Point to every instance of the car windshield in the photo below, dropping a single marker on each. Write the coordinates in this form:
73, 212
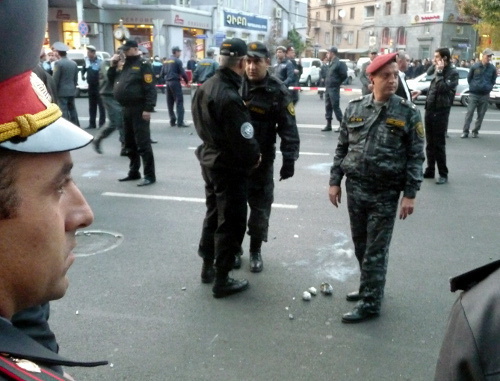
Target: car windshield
306, 64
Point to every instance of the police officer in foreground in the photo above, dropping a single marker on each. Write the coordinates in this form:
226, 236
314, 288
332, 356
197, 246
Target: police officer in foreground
134, 87
272, 112
206, 68
40, 206
171, 72
227, 155
380, 151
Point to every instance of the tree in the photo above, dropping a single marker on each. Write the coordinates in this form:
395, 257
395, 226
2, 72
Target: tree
295, 40
486, 10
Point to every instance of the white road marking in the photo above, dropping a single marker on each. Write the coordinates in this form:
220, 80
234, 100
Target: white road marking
181, 199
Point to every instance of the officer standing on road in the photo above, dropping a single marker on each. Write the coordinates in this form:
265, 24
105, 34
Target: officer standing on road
335, 76
172, 72
440, 96
380, 151
66, 79
482, 77
272, 112
284, 69
366, 86
297, 72
228, 153
206, 68
134, 87
91, 72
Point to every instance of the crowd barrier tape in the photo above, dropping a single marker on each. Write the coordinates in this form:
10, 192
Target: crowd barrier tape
347, 90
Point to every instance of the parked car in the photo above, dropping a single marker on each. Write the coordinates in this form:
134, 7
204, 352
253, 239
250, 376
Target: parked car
350, 65
495, 94
423, 81
311, 68
79, 57
350, 76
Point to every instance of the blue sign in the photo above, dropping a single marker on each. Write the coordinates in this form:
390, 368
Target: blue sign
201, 36
237, 20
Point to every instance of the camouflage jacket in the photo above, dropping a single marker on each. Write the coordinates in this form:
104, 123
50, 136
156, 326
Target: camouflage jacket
381, 149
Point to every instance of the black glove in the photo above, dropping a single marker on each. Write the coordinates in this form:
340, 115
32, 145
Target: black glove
287, 169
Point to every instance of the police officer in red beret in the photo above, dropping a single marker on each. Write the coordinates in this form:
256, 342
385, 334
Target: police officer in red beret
380, 152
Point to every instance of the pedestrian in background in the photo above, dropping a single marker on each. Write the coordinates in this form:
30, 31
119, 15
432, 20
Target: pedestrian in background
90, 72
272, 113
206, 68
380, 151
284, 69
134, 88
440, 96
113, 107
228, 152
297, 72
366, 86
157, 66
335, 76
172, 72
481, 78
66, 79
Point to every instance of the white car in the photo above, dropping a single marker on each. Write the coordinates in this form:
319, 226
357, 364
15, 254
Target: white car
423, 82
311, 68
495, 94
79, 57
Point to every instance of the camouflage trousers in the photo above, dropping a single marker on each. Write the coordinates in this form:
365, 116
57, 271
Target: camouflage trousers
372, 215
260, 199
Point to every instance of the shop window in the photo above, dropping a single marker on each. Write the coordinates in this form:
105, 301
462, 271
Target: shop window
71, 35
401, 36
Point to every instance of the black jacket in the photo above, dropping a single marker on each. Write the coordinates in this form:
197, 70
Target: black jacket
135, 84
223, 123
272, 112
441, 92
336, 73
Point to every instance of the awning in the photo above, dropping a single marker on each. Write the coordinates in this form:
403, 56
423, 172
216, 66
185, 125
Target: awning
356, 51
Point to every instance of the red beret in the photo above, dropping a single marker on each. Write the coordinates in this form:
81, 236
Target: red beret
380, 61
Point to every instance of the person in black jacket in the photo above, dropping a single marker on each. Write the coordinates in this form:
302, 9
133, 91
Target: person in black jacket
134, 87
335, 76
272, 111
90, 72
438, 104
228, 153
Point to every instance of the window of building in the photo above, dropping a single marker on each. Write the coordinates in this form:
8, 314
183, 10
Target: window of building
245, 37
427, 29
424, 52
230, 34
328, 40
338, 38
328, 15
387, 11
401, 36
317, 16
404, 7
429, 5
261, 37
351, 13
350, 38
386, 36
370, 11
71, 35
460, 29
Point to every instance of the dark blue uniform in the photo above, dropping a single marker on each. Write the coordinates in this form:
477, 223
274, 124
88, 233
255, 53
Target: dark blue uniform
172, 72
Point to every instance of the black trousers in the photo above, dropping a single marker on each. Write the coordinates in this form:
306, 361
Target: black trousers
332, 103
95, 101
260, 200
138, 141
225, 220
436, 124
174, 95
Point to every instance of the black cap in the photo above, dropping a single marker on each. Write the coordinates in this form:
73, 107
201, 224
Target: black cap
257, 49
129, 44
233, 47
333, 49
176, 49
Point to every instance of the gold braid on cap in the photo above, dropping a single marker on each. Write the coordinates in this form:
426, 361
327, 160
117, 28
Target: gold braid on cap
28, 124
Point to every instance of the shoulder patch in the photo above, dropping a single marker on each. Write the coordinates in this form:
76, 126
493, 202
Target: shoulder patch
420, 130
291, 109
247, 130
148, 78
357, 99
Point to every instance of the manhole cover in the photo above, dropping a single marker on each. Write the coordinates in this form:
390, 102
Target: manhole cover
92, 242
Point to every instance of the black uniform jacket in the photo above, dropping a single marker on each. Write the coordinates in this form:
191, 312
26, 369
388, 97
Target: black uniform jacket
16, 346
223, 123
441, 92
135, 84
272, 111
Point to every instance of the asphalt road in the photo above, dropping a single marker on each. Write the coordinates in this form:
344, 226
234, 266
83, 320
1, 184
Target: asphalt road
136, 300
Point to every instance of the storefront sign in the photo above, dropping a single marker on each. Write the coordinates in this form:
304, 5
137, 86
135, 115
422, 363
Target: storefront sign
237, 20
427, 17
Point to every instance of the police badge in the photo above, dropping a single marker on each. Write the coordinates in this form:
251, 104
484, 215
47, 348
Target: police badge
247, 130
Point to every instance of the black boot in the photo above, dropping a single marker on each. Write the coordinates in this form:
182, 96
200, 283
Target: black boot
237, 259
97, 145
225, 286
328, 126
256, 264
207, 271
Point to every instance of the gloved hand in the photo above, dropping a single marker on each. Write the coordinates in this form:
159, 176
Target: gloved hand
287, 169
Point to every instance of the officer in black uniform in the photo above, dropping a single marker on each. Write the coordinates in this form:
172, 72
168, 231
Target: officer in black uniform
228, 153
272, 111
35, 184
134, 87
171, 72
